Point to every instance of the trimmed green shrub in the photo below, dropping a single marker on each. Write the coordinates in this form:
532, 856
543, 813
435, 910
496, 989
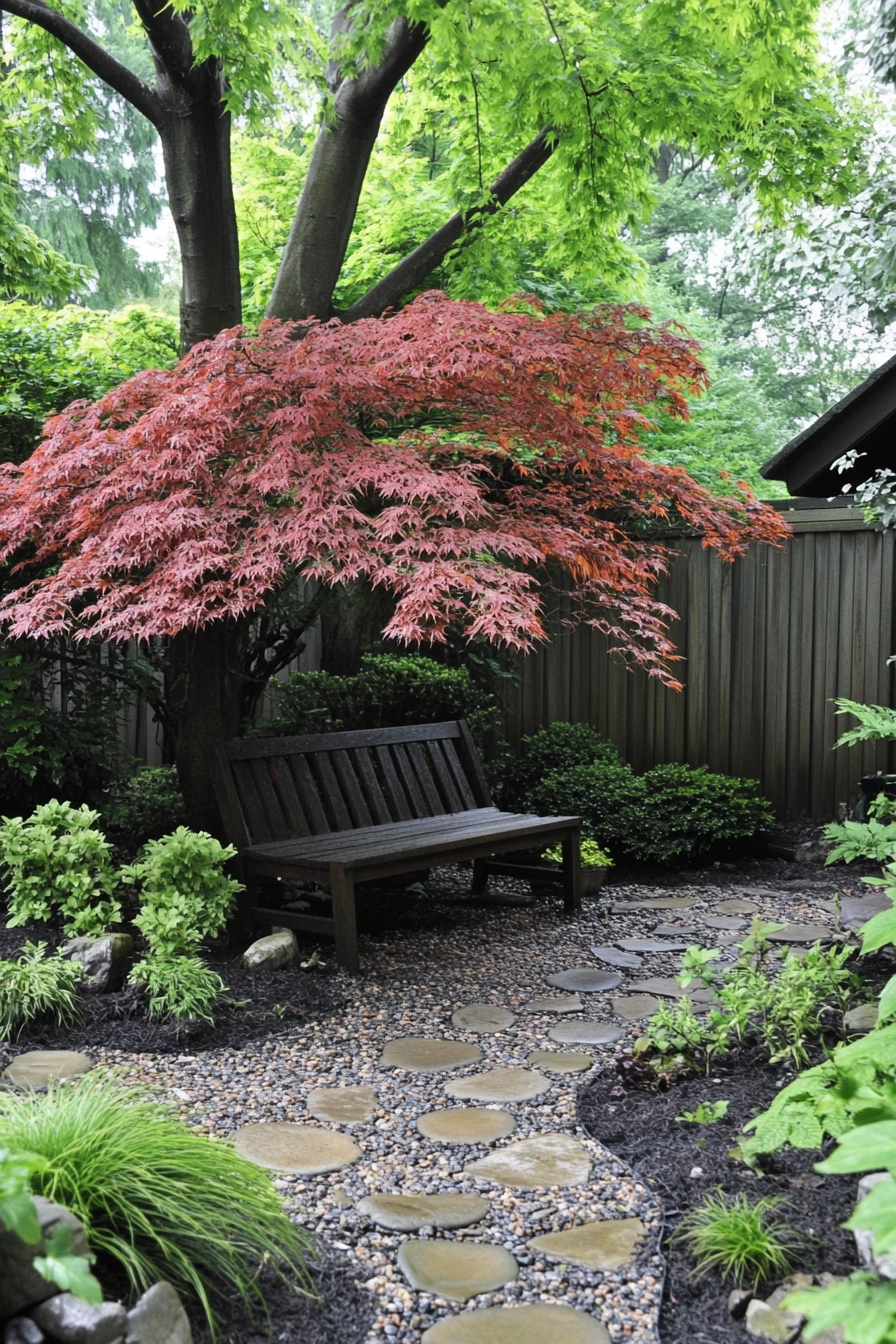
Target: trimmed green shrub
556, 749
37, 986
685, 814
58, 864
146, 806
602, 795
181, 988
163, 1202
185, 895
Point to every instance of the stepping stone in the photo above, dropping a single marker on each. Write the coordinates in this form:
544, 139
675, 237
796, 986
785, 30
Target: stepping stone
803, 933
674, 931
408, 1213
613, 957
536, 1324
738, 907
560, 1061
543, 1160
425, 1054
607, 1245
858, 1020
345, 1105
466, 1124
635, 1007
500, 1085
456, 1269
555, 1003
586, 1033
651, 945
724, 922
36, 1068
483, 1017
657, 903
668, 988
857, 910
585, 979
303, 1149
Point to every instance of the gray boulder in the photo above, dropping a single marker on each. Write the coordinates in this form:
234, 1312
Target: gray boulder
278, 949
21, 1330
878, 1264
70, 1321
159, 1318
105, 960
20, 1284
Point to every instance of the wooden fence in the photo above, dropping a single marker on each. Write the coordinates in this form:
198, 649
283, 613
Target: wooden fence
767, 643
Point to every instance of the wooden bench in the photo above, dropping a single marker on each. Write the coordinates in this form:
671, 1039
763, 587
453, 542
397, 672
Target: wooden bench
342, 808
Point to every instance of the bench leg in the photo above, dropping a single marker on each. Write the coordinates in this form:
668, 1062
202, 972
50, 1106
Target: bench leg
480, 877
342, 892
572, 872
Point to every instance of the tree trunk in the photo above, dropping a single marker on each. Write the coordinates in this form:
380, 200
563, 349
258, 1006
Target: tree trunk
203, 683
195, 135
352, 623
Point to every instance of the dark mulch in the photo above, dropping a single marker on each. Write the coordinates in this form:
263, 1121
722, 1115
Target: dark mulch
640, 1126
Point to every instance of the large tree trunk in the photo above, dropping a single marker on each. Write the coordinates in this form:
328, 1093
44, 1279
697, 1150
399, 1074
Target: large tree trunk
203, 683
352, 623
195, 135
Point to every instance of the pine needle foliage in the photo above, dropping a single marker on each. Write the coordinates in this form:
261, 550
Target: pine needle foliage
162, 1201
739, 1238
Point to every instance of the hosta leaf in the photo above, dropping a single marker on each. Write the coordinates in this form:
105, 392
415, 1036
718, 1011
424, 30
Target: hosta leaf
868, 1148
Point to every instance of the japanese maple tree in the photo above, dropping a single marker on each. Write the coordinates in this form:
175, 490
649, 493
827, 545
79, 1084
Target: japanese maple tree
463, 460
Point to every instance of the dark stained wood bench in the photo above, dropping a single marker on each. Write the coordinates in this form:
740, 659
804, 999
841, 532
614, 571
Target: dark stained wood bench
343, 808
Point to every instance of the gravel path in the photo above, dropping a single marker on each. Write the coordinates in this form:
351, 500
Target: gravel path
413, 981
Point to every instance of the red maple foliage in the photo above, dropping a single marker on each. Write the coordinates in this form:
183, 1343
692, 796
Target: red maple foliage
456, 455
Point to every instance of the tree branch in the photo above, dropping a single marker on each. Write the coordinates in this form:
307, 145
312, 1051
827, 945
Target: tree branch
413, 269
95, 57
169, 37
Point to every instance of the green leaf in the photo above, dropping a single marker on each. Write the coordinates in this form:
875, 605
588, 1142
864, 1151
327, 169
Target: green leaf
868, 1148
68, 1271
864, 1307
877, 1214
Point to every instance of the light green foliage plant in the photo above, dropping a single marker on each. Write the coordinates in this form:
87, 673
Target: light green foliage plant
58, 864
180, 988
851, 840
185, 896
739, 1238
160, 1200
877, 723
590, 854
707, 1113
36, 986
58, 1264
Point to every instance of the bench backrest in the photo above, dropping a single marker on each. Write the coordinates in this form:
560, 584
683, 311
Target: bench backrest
278, 788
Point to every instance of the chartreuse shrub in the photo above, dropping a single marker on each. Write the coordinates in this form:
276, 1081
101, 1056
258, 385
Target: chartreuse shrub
58, 864
162, 1201
590, 855
37, 986
739, 1238
185, 897
18, 1214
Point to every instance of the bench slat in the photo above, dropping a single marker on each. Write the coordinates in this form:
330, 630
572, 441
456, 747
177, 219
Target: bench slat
398, 830
241, 749
307, 791
423, 771
409, 780
276, 819
331, 794
445, 779
400, 808
249, 802
467, 796
285, 787
375, 795
343, 764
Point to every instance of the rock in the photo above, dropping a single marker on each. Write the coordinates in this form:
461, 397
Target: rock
586, 1033
542, 1160
673, 931
635, 1007
652, 945
303, 1149
105, 960
557, 1003
158, 1317
20, 1284
483, 1017
668, 988
560, 1061
500, 1085
811, 851
738, 1301
803, 933
655, 903
613, 957
857, 910
772, 1323
22, 1330
835, 1336
71, 1321
537, 1324
585, 980
605, 1245
424, 1054
724, 922
273, 952
860, 1020
36, 1068
466, 1124
878, 1264
343, 1105
455, 1269
793, 1284
738, 907
408, 1213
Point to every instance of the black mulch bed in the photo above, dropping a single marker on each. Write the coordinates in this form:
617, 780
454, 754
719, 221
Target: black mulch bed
640, 1126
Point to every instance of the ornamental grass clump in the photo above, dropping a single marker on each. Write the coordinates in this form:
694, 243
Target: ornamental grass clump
163, 1202
36, 986
739, 1238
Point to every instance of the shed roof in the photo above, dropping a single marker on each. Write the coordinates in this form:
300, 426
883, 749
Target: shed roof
864, 420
